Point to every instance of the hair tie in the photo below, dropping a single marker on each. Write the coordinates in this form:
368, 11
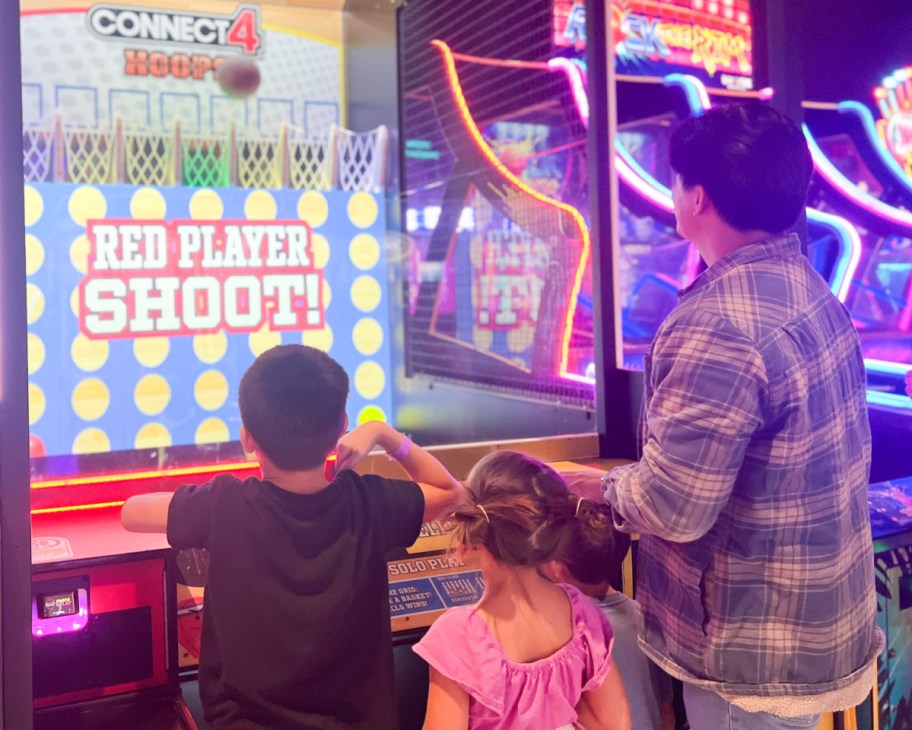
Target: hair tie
579, 501
484, 512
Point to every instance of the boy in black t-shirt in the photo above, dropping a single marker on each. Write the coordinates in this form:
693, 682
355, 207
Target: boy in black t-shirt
296, 628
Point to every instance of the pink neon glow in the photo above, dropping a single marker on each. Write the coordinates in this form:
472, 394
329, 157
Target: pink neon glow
579, 378
61, 624
577, 88
573, 214
574, 75
853, 192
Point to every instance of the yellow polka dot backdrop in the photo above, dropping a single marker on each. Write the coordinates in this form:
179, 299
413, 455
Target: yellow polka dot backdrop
363, 209
364, 251
211, 390
313, 208
89, 355
152, 436
148, 204
91, 398
34, 206
91, 393
91, 441
36, 353
87, 203
34, 254
211, 431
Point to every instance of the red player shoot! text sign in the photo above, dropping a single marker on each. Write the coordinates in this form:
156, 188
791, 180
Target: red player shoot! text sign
186, 277
510, 279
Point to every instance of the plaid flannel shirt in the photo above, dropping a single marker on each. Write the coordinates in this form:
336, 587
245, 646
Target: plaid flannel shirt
755, 572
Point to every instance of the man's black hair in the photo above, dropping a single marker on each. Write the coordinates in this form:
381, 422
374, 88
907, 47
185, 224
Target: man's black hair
292, 403
753, 162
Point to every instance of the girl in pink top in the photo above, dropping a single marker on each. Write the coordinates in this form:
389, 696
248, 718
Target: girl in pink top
531, 654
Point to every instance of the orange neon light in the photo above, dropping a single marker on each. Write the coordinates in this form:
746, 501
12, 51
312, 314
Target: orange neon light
77, 507
509, 63
489, 155
139, 475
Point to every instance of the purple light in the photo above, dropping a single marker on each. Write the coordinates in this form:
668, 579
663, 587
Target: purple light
849, 250
852, 192
61, 624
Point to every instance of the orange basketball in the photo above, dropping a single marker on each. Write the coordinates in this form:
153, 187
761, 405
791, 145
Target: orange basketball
238, 77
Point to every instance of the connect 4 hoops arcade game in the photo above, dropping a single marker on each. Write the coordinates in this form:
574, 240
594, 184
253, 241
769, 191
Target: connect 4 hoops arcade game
176, 228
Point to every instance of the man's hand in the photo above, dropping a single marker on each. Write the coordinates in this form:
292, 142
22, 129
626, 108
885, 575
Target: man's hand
585, 484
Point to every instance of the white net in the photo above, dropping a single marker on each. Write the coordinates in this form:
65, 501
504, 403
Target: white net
88, 156
148, 159
259, 163
37, 153
309, 163
362, 158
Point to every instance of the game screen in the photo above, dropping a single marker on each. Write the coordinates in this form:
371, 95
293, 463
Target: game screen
709, 39
192, 198
498, 274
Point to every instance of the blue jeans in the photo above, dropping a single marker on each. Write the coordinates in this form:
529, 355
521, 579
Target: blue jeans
707, 710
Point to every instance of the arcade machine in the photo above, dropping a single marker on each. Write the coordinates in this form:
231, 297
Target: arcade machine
871, 155
178, 224
521, 120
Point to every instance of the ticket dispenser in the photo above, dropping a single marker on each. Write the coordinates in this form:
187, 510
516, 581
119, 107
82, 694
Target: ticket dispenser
101, 653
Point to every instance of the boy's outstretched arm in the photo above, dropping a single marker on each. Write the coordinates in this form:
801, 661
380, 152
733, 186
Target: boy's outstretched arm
146, 512
442, 492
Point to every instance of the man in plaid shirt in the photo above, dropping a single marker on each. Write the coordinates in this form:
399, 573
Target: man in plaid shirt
755, 567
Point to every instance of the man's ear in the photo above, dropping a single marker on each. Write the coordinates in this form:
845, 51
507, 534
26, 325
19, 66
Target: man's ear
701, 201
247, 442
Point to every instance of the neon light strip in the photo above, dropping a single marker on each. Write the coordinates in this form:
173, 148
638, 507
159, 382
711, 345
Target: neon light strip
849, 250
853, 192
503, 62
577, 86
694, 90
77, 507
627, 167
893, 400
491, 158
579, 378
150, 474
641, 184
889, 368
870, 127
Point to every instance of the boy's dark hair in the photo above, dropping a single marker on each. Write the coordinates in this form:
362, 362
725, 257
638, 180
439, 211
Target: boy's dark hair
292, 403
596, 549
521, 511
752, 160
